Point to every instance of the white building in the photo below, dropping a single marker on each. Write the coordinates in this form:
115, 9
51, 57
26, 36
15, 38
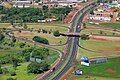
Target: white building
22, 3
67, 0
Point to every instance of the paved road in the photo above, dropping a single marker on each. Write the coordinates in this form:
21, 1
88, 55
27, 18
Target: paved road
67, 60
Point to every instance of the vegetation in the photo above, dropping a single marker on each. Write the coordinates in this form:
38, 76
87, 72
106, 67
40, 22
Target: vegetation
13, 15
112, 25
37, 68
1, 36
41, 40
98, 48
108, 69
21, 72
84, 37
17, 64
56, 33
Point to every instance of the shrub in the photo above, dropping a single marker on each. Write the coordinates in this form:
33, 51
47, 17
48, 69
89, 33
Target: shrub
37, 68
56, 33
9, 78
1, 36
41, 40
0, 70
12, 73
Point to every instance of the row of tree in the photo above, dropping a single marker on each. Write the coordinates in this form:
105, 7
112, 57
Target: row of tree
31, 14
40, 40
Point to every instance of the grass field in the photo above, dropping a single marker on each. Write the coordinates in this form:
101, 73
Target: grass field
97, 32
102, 48
52, 39
21, 73
5, 25
108, 70
22, 70
48, 26
102, 71
112, 25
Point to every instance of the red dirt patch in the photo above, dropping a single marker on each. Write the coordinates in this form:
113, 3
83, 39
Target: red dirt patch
117, 48
110, 70
104, 38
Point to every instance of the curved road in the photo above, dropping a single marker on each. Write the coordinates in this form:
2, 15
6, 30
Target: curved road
71, 49
69, 55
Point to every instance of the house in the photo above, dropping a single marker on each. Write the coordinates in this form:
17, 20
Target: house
78, 72
85, 61
100, 16
103, 14
59, 4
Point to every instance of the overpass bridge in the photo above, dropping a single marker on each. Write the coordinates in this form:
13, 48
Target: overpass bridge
71, 34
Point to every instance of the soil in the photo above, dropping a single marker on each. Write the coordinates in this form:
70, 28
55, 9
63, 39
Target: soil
104, 38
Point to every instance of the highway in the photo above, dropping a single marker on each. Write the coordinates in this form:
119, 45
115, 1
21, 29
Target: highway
68, 56
67, 60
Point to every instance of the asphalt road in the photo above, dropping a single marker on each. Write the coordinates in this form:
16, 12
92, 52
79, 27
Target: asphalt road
66, 60
72, 46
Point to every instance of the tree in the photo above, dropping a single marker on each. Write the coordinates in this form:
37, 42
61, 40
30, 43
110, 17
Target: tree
37, 68
10, 78
40, 40
4, 70
25, 26
101, 32
0, 69
40, 53
22, 45
92, 12
12, 73
84, 25
45, 8
56, 33
84, 37
14, 61
1, 37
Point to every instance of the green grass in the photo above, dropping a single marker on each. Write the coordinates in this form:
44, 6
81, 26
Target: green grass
52, 57
105, 25
109, 69
97, 32
48, 26
22, 70
108, 48
21, 73
112, 25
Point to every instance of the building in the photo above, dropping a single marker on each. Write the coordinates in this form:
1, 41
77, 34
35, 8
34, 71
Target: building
98, 60
103, 14
59, 4
78, 72
22, 3
85, 61
115, 3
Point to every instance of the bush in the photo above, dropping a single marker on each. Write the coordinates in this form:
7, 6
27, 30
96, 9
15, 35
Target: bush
10, 78
37, 68
84, 37
1, 36
40, 40
12, 73
22, 45
56, 33
0, 70
5, 70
